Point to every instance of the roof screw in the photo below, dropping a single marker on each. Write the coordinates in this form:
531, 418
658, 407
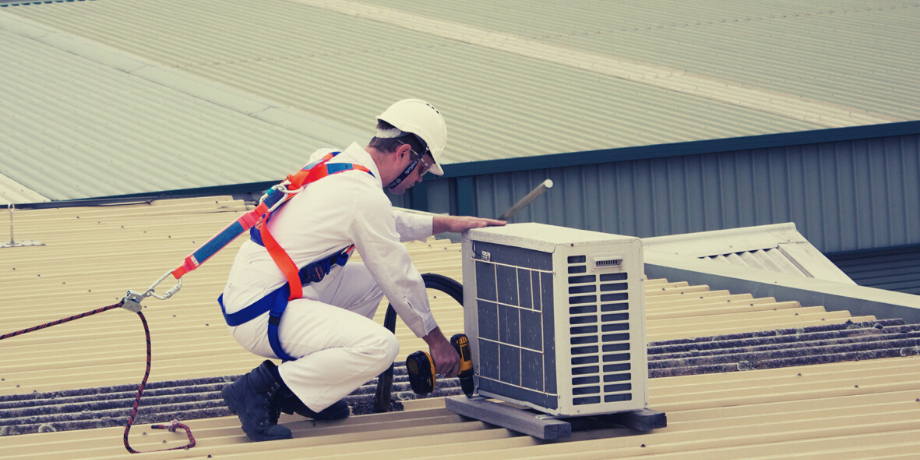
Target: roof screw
800, 374
144, 433
206, 324
17, 386
164, 441
643, 445
855, 386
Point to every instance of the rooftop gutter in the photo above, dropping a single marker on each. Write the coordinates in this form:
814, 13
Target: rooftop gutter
858, 300
680, 149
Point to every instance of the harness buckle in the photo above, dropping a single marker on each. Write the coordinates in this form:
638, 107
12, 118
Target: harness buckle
274, 320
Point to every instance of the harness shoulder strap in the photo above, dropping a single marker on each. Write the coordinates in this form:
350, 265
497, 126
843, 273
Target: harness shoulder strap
311, 173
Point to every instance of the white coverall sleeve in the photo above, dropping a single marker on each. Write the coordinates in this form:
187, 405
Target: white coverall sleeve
411, 226
373, 231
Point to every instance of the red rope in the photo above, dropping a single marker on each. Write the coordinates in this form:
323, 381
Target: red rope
137, 401
140, 390
60, 321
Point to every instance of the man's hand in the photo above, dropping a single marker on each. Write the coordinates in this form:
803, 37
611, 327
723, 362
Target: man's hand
460, 224
446, 359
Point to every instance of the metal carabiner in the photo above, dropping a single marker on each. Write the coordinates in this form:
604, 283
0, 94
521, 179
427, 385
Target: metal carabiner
151, 292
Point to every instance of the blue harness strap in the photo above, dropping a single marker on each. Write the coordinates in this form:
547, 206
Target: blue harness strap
274, 303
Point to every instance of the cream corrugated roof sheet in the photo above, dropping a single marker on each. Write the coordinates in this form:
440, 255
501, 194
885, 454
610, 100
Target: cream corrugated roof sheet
858, 409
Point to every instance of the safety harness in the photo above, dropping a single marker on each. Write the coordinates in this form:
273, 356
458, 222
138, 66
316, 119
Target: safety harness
276, 302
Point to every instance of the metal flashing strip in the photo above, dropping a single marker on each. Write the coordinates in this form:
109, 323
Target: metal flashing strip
647, 152
831, 295
16, 193
727, 92
6, 3
777, 247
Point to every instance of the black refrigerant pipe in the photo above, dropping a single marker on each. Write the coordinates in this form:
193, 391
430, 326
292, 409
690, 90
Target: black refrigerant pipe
383, 397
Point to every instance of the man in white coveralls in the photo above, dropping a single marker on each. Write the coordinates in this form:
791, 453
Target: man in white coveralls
326, 337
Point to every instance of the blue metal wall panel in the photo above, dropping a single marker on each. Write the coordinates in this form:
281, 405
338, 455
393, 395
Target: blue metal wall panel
895, 269
843, 196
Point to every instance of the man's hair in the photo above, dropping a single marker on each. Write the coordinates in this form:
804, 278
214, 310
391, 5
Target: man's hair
389, 145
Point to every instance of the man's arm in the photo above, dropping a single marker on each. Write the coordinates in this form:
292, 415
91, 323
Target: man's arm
460, 224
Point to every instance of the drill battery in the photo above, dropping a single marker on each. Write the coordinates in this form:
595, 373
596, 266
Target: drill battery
422, 371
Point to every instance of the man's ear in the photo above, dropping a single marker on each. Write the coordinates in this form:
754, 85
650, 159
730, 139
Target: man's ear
403, 151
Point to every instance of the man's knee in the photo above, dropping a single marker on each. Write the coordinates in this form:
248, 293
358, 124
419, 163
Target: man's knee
386, 347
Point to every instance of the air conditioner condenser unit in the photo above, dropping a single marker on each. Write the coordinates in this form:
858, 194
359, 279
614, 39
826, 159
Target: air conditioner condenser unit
556, 318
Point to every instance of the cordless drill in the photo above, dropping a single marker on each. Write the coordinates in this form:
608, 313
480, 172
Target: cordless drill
422, 372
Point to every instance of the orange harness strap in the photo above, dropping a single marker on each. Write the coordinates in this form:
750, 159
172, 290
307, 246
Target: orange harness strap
298, 180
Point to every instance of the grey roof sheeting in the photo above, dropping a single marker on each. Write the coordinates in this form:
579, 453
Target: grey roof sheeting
82, 120
517, 79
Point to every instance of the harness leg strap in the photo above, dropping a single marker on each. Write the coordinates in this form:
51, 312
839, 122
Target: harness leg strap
274, 320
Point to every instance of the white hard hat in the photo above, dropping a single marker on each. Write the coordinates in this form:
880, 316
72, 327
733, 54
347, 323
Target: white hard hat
422, 119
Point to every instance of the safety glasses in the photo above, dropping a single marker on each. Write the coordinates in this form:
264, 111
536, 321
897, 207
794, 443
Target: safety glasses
425, 166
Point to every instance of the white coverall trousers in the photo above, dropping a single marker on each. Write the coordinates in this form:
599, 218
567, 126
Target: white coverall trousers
330, 333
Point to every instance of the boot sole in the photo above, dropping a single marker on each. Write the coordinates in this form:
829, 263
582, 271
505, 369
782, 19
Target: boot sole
233, 404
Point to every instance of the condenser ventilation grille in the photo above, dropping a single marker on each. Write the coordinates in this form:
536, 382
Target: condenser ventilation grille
599, 329
514, 295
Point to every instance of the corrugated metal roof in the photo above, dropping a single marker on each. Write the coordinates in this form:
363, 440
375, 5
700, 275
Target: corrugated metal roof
516, 80
528, 78
822, 50
853, 409
82, 120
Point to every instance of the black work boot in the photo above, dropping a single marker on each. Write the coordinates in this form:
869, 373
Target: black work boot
291, 404
255, 398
